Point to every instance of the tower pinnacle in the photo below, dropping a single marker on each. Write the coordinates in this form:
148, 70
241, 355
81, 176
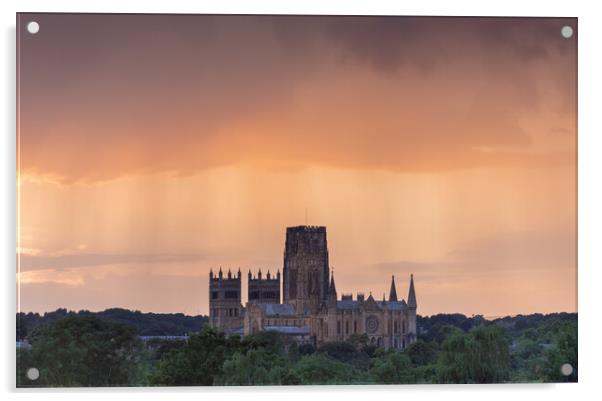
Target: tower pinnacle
332, 291
412, 294
393, 292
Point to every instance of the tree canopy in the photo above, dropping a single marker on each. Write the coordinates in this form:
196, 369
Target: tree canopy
85, 351
81, 349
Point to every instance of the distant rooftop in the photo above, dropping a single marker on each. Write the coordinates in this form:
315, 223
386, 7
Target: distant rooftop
349, 304
289, 329
277, 309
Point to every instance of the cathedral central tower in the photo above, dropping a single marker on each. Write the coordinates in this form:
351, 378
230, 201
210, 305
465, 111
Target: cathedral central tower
306, 271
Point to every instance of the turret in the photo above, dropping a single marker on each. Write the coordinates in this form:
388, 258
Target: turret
393, 291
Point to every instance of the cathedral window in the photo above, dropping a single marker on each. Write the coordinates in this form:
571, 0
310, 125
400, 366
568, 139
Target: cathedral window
346, 327
403, 327
395, 328
338, 327
355, 326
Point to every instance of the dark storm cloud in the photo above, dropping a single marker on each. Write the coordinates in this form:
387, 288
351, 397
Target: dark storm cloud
388, 43
107, 95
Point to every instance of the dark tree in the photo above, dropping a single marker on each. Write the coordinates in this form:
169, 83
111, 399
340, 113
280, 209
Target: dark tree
480, 356
422, 353
86, 351
198, 363
392, 367
321, 369
256, 367
563, 352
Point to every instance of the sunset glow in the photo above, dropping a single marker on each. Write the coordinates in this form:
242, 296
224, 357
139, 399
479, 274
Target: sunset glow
153, 148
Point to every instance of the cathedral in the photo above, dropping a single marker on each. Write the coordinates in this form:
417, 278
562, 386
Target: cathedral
308, 307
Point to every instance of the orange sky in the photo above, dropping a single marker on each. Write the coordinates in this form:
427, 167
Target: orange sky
153, 148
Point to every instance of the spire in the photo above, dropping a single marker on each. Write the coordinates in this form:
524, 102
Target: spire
333, 287
412, 294
229, 274
393, 292
332, 290
210, 273
220, 274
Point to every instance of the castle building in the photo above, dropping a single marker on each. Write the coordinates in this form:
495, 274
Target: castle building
310, 310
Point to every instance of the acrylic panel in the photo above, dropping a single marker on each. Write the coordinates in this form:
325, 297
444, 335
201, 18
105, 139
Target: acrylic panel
188, 185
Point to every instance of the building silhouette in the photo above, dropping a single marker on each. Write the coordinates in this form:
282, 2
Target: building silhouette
310, 310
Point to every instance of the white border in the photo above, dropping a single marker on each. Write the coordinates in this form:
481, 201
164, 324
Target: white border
590, 195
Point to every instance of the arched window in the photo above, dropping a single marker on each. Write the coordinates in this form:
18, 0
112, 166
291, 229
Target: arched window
396, 343
338, 327
355, 326
395, 328
347, 327
403, 327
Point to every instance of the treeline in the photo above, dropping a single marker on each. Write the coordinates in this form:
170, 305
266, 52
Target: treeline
80, 350
145, 324
433, 328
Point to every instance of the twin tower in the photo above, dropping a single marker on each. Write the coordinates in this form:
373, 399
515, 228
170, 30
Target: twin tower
305, 279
